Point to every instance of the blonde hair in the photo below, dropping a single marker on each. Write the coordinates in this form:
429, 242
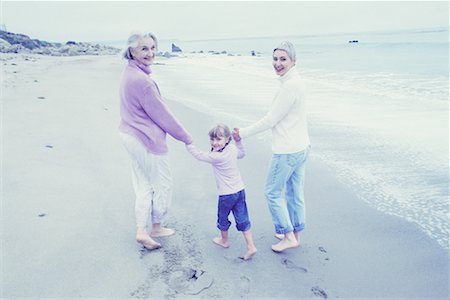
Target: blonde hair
220, 131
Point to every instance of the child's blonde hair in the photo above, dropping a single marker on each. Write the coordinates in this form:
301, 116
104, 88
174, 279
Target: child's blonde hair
220, 131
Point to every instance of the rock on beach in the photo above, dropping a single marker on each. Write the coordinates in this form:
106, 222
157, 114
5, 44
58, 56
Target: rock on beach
21, 43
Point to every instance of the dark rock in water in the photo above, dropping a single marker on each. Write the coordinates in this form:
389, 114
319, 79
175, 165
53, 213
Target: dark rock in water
354, 41
175, 48
253, 53
71, 43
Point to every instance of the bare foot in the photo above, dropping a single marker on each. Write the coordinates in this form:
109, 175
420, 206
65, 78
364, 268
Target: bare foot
148, 243
285, 244
162, 232
249, 254
279, 236
219, 241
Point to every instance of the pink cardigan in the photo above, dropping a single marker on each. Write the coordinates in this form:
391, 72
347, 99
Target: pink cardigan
228, 177
143, 112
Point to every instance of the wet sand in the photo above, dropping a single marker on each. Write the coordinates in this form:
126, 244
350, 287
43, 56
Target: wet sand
68, 209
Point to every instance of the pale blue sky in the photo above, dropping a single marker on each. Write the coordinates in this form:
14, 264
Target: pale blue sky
59, 21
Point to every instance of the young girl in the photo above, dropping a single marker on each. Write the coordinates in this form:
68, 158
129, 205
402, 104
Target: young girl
223, 158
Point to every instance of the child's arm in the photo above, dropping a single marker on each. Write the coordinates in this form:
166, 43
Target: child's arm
198, 154
240, 148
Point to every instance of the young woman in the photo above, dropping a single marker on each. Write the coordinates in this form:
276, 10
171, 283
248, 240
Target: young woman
290, 146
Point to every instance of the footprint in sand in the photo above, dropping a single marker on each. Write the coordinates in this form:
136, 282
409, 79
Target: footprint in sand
235, 260
322, 249
190, 281
144, 251
319, 292
200, 281
244, 285
291, 265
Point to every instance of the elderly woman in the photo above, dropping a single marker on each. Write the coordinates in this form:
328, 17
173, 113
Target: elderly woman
290, 146
145, 122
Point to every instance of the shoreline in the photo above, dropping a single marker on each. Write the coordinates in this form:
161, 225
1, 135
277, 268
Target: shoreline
67, 176
368, 243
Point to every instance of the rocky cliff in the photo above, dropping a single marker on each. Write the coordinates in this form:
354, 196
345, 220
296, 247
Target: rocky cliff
21, 43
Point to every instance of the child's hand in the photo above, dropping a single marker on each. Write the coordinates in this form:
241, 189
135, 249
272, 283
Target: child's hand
235, 134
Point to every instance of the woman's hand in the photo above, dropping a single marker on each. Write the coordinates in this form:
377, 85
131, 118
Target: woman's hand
189, 140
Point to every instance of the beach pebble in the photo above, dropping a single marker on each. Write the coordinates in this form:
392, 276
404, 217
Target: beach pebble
42, 215
49, 146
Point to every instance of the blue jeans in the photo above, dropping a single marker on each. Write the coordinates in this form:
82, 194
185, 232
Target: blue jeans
233, 203
287, 172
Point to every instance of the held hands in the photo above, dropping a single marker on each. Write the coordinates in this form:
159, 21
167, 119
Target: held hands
188, 141
236, 135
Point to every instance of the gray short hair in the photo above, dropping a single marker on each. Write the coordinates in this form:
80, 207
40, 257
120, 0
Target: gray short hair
288, 47
133, 41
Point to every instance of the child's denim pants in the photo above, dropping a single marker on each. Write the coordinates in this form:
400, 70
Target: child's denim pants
233, 203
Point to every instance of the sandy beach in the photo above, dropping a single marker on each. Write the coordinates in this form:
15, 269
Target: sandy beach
67, 208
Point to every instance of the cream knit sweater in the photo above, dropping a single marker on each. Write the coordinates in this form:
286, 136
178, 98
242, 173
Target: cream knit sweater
286, 117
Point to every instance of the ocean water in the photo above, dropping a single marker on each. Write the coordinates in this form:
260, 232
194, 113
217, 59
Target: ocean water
378, 109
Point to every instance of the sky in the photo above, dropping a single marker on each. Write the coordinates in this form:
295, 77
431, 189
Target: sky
59, 21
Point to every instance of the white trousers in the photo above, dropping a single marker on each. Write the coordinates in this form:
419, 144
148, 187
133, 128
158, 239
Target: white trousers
152, 182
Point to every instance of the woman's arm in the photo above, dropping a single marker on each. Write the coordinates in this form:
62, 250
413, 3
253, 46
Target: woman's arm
158, 111
279, 109
240, 148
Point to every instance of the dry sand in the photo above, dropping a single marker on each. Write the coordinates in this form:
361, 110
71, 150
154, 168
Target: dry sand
68, 210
